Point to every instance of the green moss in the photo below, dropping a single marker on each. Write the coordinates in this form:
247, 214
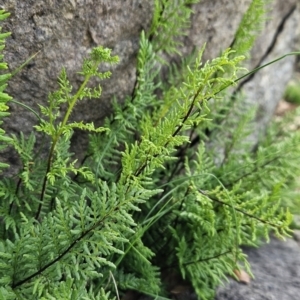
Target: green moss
292, 93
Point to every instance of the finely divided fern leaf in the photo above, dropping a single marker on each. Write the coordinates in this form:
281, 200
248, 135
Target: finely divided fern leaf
4, 97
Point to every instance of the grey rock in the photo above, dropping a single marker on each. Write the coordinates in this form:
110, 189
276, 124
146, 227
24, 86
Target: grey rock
266, 87
296, 236
276, 267
64, 31
214, 23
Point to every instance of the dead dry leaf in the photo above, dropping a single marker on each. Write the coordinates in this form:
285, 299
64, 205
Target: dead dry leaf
283, 107
242, 276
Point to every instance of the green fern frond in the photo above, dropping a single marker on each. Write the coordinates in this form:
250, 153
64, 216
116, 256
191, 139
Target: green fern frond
250, 26
171, 20
4, 97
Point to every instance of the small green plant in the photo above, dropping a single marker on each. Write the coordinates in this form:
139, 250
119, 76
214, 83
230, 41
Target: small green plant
163, 188
292, 93
4, 97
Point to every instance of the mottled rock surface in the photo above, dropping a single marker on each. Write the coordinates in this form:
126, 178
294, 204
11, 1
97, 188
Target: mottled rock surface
64, 31
266, 87
276, 267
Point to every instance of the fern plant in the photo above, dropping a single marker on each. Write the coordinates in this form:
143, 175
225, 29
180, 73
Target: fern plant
163, 188
4, 97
